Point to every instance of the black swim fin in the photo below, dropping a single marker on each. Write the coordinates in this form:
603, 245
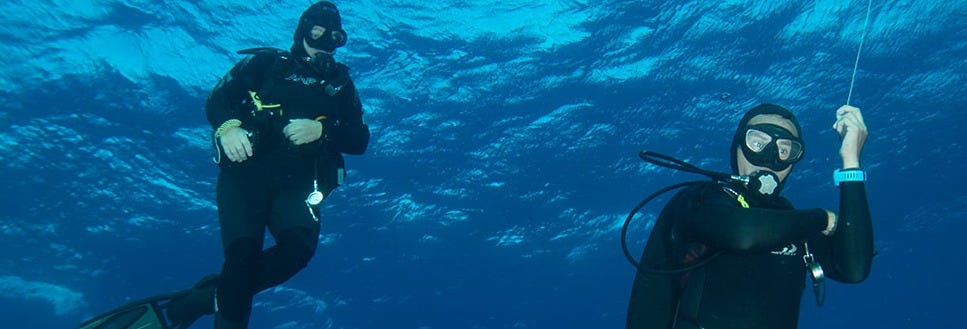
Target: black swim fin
177, 310
143, 314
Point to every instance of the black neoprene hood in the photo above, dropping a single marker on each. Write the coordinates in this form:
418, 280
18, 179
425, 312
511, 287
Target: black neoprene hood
322, 13
761, 109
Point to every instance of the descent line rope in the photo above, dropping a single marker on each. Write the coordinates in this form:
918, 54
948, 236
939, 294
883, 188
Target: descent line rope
869, 5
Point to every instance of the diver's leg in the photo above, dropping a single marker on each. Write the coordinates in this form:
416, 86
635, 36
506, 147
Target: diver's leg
199, 301
296, 234
292, 252
242, 212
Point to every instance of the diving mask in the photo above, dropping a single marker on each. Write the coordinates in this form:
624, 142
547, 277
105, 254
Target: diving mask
323, 14
328, 41
772, 147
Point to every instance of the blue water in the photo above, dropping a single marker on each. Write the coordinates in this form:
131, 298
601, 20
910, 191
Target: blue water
503, 156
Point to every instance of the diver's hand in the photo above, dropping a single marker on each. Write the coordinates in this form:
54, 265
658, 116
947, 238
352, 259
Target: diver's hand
303, 131
831, 219
851, 128
236, 145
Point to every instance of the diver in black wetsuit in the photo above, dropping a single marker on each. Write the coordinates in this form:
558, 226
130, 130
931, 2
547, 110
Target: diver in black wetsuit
281, 121
753, 243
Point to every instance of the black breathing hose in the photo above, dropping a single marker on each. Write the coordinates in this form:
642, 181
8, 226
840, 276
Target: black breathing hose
662, 160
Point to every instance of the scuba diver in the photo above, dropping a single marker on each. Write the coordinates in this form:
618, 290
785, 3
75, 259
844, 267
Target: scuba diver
732, 253
281, 121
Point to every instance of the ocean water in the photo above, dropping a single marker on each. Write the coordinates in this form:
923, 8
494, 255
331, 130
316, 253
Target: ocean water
503, 157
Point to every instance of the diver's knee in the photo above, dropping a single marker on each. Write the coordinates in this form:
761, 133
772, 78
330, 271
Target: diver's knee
244, 252
299, 245
241, 262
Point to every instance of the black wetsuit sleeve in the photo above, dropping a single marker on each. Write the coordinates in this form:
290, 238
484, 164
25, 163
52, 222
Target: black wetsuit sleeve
718, 219
349, 134
223, 102
847, 255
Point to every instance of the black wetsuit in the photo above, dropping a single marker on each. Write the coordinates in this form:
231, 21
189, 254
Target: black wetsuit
757, 279
269, 189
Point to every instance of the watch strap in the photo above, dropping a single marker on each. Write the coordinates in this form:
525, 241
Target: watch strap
849, 175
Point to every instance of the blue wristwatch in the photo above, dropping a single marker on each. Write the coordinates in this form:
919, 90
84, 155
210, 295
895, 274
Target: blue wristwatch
849, 175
